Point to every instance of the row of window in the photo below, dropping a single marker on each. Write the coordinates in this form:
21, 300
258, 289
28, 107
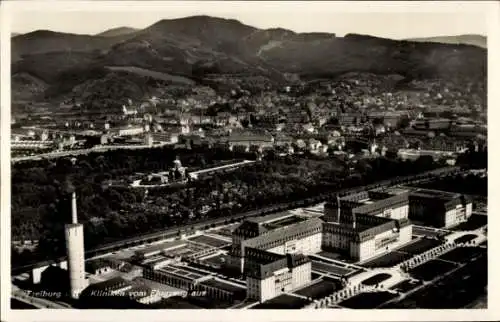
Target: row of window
169, 280
283, 240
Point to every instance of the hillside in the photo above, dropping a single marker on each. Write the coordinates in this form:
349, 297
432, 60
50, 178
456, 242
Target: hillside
45, 41
120, 31
474, 40
195, 47
26, 87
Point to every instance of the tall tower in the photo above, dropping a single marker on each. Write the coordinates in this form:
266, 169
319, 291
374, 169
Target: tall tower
76, 252
338, 209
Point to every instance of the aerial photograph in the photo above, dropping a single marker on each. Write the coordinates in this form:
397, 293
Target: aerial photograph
224, 159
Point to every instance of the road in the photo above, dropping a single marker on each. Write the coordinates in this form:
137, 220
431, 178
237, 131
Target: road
429, 231
169, 233
59, 154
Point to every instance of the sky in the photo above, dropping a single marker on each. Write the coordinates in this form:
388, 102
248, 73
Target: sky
397, 20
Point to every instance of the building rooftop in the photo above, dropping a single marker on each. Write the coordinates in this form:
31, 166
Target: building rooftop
261, 264
261, 257
151, 261
182, 272
392, 190
270, 217
222, 285
160, 247
360, 226
111, 284
283, 222
355, 197
256, 226
96, 264
435, 194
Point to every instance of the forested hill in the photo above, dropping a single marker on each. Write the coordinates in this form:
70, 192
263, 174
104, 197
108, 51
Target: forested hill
195, 46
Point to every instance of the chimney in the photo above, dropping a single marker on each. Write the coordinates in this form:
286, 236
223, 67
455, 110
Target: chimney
73, 208
338, 209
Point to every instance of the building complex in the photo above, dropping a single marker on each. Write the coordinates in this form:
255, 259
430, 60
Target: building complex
271, 253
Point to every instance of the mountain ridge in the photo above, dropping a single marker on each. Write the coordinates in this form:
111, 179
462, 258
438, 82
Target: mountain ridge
118, 31
197, 46
465, 39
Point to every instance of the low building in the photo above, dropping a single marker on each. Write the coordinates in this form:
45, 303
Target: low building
388, 118
184, 278
17, 144
116, 293
159, 261
168, 137
221, 290
249, 139
347, 119
414, 154
159, 248
98, 267
439, 208
130, 130
433, 124
36, 273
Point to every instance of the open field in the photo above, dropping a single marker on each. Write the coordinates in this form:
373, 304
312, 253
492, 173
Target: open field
367, 300
329, 268
474, 222
420, 246
406, 286
388, 260
283, 302
318, 290
157, 75
210, 241
462, 254
463, 288
430, 270
376, 279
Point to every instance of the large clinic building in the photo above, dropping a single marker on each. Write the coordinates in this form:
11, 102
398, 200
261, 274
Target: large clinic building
271, 252
366, 224
278, 234
269, 275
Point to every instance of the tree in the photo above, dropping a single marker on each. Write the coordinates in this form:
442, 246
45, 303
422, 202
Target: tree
403, 123
378, 121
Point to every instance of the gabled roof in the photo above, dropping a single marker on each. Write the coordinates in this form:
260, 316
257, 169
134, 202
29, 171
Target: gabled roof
250, 229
